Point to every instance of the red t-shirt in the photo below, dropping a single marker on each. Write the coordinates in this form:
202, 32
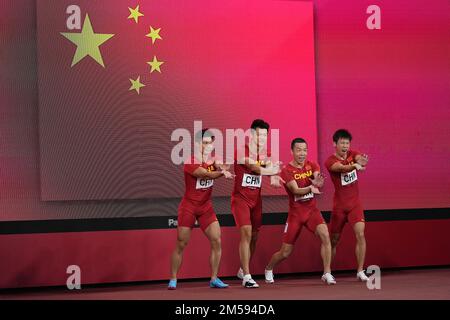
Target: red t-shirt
247, 184
346, 192
197, 189
301, 176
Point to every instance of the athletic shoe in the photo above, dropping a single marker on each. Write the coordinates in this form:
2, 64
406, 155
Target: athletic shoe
328, 278
248, 282
361, 276
217, 283
172, 284
269, 276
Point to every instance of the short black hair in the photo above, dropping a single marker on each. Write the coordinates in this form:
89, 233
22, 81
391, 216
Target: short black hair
341, 134
259, 123
202, 134
297, 140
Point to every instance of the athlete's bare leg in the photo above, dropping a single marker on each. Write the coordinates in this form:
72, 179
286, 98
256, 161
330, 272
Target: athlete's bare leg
360, 249
184, 234
334, 242
213, 234
245, 247
282, 254
325, 249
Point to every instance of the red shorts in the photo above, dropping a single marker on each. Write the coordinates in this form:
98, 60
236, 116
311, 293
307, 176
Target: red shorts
340, 216
297, 218
189, 212
245, 214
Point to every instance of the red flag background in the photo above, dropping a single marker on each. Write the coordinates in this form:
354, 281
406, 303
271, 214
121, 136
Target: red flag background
225, 63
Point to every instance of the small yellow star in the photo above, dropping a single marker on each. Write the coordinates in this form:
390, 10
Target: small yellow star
155, 64
154, 34
136, 84
135, 14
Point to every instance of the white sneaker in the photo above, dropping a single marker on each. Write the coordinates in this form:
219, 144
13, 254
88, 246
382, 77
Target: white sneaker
328, 278
240, 274
248, 282
361, 276
269, 276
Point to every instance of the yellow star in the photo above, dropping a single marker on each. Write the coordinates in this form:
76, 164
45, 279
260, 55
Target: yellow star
136, 84
87, 43
154, 34
155, 64
135, 14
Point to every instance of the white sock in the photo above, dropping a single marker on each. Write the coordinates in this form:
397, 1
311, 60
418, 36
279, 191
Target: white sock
247, 277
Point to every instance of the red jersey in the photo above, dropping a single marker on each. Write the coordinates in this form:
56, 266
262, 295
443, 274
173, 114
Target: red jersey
247, 184
346, 192
197, 189
301, 176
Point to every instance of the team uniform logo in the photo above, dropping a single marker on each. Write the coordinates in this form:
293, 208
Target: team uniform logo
251, 180
302, 176
203, 183
349, 177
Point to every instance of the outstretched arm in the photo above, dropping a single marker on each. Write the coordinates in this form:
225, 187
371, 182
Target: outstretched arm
270, 170
202, 173
343, 168
293, 187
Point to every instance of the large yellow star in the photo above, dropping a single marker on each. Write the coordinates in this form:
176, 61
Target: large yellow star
155, 64
154, 34
87, 43
136, 84
135, 14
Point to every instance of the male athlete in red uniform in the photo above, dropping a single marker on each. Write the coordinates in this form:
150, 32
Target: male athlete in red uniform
196, 205
246, 203
343, 167
301, 179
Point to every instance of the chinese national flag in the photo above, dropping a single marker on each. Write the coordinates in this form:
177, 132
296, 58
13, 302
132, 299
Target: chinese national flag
112, 91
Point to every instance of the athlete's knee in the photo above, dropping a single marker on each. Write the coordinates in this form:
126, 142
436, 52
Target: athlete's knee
286, 252
246, 234
335, 239
181, 244
215, 242
360, 237
325, 238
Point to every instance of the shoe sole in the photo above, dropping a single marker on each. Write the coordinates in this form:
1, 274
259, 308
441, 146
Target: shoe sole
268, 281
330, 283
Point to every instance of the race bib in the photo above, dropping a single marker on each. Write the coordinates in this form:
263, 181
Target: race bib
203, 183
348, 177
304, 197
250, 180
